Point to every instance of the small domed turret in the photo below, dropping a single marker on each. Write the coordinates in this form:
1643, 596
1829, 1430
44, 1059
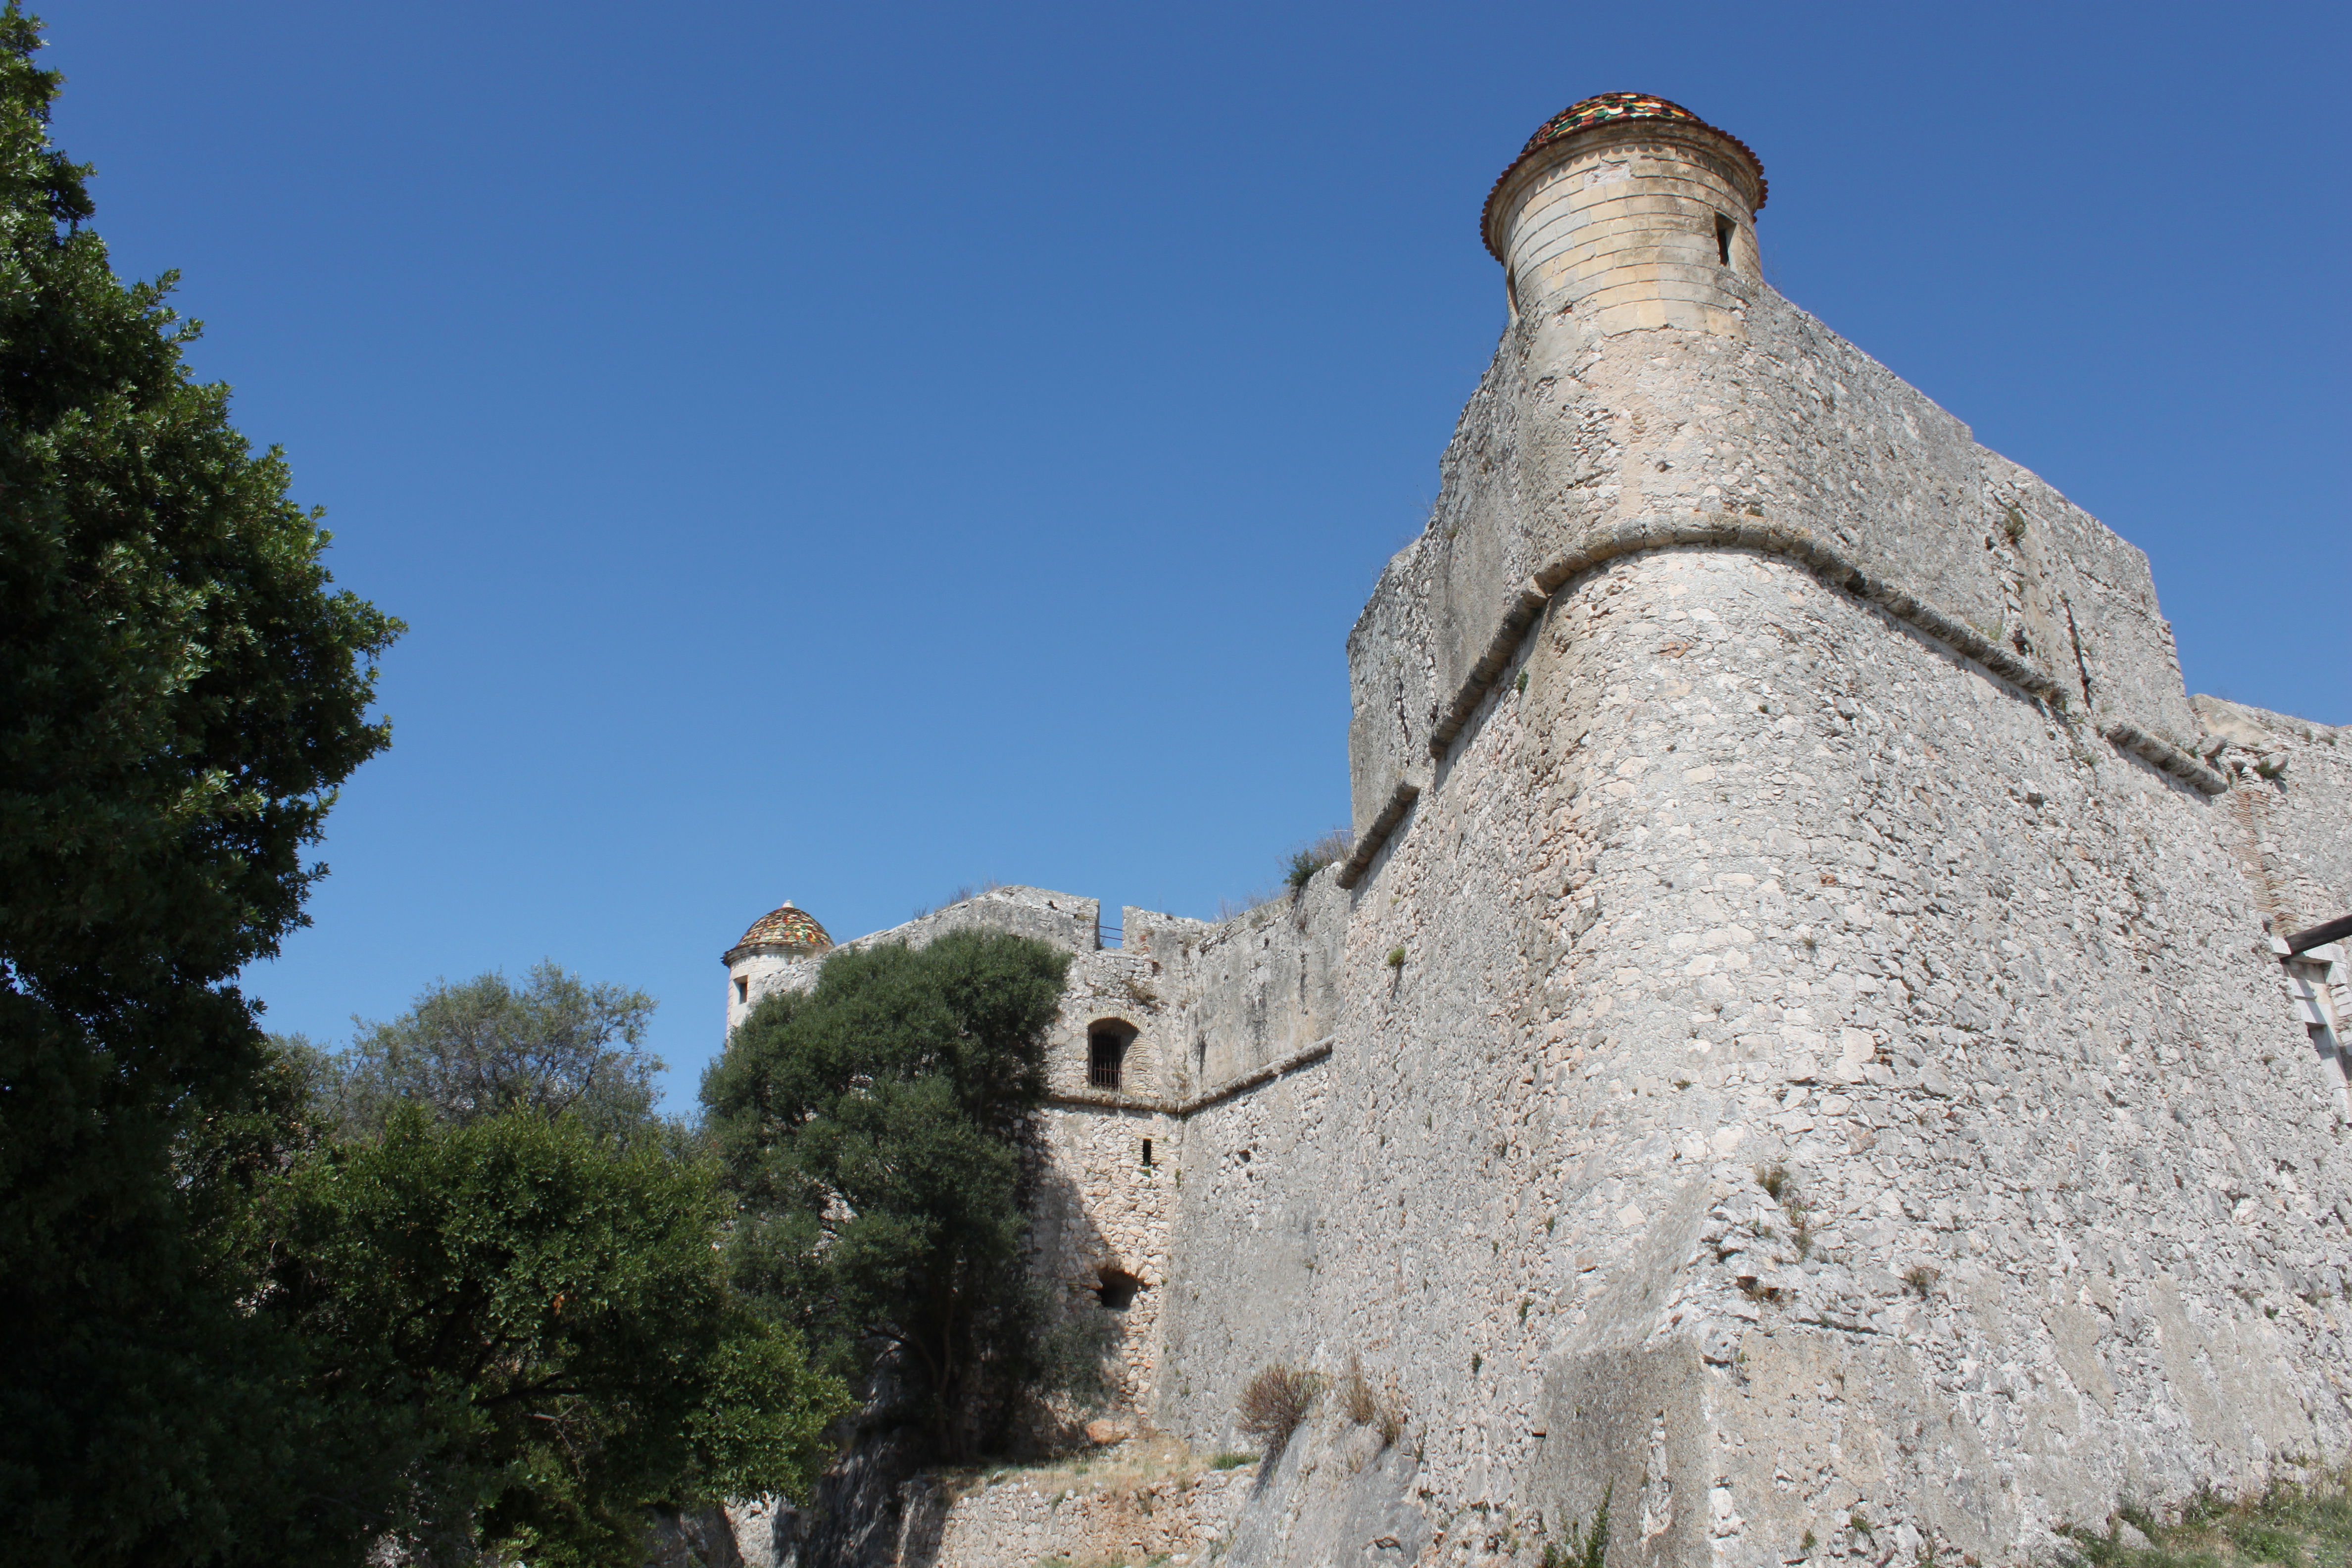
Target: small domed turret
777, 941
1633, 212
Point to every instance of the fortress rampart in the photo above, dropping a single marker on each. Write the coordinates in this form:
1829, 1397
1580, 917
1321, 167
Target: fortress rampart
1804, 1047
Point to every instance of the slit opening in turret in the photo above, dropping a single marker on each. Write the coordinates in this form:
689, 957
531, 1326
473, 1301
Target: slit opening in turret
1724, 229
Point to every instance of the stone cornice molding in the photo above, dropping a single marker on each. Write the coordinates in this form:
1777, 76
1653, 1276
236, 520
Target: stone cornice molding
1790, 541
1155, 1105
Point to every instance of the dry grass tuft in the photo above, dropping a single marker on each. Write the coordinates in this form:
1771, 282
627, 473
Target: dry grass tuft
1275, 1402
1382, 1408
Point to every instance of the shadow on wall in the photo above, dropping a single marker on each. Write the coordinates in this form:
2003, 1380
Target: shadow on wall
1091, 1300
924, 1511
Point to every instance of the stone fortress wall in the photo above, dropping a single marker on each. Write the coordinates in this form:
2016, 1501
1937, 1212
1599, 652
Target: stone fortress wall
1799, 1047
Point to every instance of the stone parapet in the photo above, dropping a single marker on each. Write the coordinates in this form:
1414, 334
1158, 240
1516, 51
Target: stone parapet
1580, 444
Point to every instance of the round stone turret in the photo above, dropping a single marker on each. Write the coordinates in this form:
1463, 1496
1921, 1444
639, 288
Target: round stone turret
777, 945
1633, 211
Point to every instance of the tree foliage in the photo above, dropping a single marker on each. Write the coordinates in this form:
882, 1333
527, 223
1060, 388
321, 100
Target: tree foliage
536, 1325
483, 1047
181, 692
873, 1132
234, 1333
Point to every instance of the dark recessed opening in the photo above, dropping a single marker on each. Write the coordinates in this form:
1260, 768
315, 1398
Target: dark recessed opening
1146, 1150
1107, 1054
742, 989
1116, 1289
1724, 229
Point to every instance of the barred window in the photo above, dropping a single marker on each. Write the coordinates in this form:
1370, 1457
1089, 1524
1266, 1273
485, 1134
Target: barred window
1105, 1056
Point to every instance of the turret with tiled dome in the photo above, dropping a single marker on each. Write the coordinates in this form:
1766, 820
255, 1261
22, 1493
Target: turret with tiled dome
778, 942
1630, 211
785, 928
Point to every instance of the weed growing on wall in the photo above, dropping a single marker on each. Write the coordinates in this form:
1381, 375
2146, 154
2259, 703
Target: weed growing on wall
1307, 859
1587, 1547
1275, 1402
1782, 1189
1383, 1408
2298, 1526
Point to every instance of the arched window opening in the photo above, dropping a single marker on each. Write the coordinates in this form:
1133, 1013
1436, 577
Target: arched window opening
1106, 1044
1116, 1289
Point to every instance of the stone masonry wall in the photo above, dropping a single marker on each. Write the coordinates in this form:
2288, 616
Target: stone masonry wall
1102, 1212
1018, 1521
1578, 434
1751, 875
1796, 1048
2290, 798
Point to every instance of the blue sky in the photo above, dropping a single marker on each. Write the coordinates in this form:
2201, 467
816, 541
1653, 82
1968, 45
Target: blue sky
840, 453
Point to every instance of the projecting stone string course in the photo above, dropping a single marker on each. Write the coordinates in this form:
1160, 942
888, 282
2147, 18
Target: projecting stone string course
1809, 1043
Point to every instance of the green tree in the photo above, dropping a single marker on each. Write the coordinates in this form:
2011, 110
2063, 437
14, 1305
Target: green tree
462, 1052
181, 692
873, 1132
535, 1324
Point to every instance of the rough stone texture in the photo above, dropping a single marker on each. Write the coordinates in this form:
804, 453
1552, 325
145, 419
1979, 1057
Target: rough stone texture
1584, 429
1797, 1050
1101, 1213
697, 1538
1020, 1519
2292, 796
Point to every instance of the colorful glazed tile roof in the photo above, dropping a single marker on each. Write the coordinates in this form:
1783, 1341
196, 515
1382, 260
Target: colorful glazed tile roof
1604, 109
786, 927
1609, 109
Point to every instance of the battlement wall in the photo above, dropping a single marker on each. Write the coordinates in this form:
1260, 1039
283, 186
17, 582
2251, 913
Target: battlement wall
1585, 442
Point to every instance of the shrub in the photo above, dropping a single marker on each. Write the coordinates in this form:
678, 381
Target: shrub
1802, 1225
1275, 1402
1305, 861
1586, 1548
